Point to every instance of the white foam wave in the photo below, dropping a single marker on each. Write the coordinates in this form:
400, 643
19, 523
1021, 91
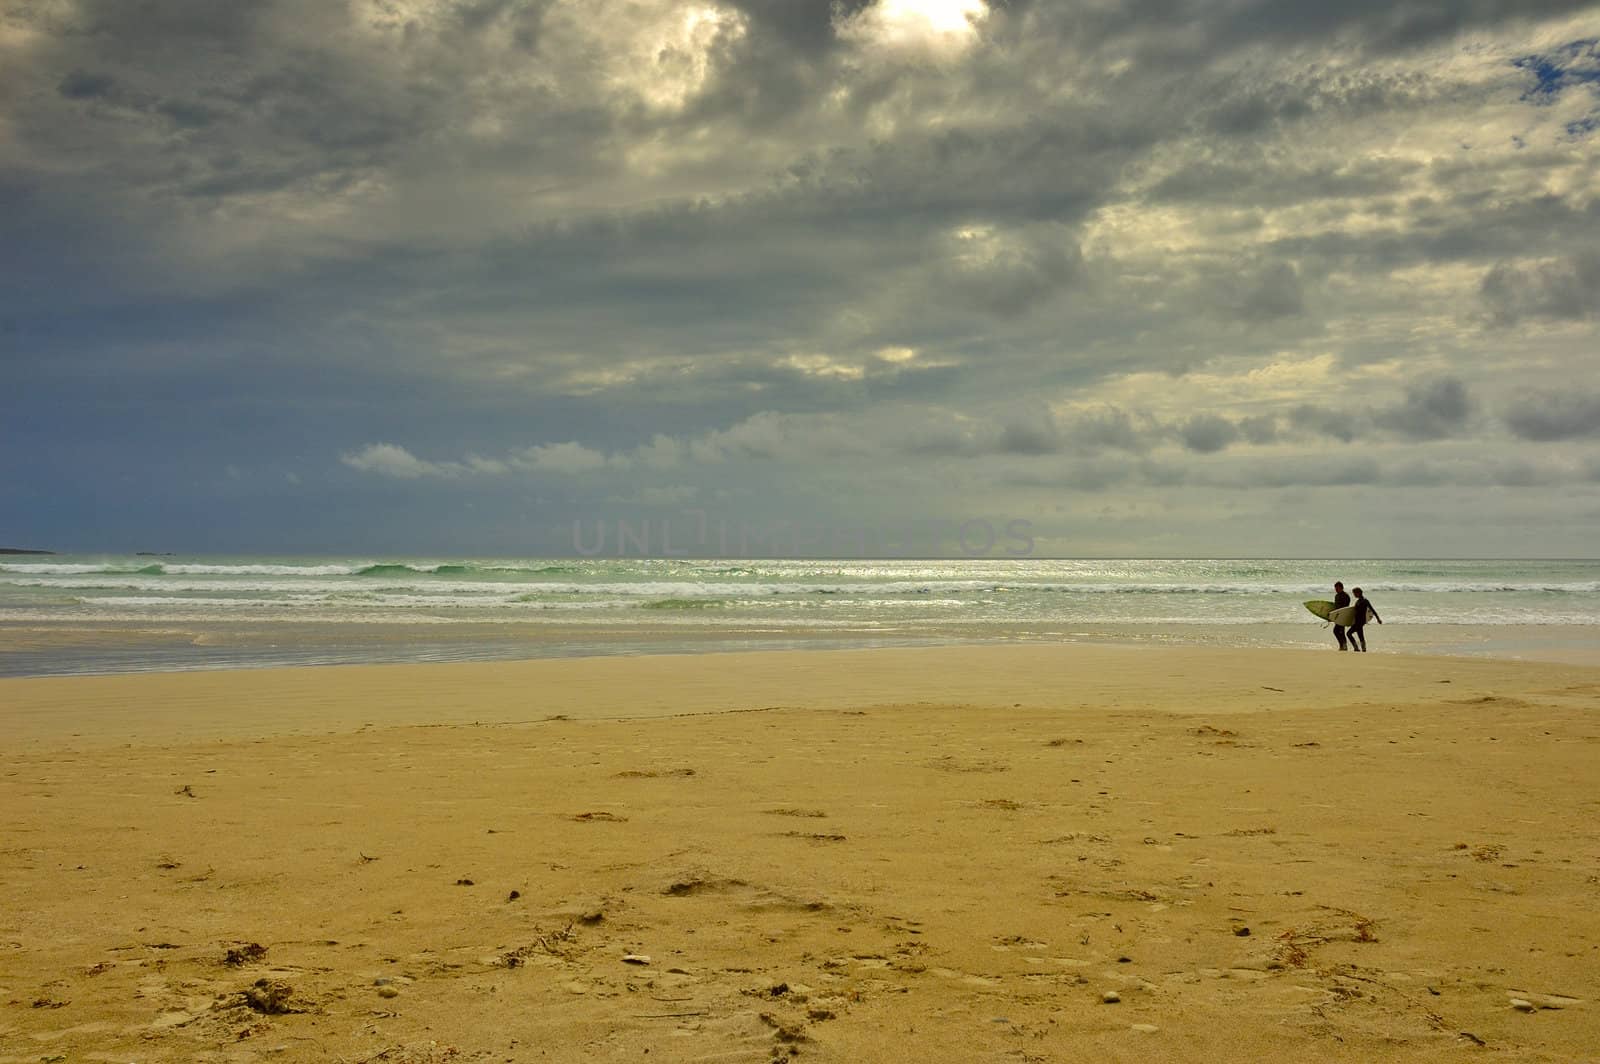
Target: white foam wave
196, 569
335, 578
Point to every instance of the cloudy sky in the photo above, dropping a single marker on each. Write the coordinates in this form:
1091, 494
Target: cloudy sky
1159, 277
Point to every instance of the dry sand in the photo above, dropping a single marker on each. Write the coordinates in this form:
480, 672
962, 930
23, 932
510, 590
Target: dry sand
950, 854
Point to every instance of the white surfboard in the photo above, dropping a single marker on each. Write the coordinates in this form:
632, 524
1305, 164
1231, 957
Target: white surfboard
1346, 615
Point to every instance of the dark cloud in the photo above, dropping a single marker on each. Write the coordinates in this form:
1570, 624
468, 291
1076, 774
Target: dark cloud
179, 24
82, 85
191, 114
1323, 421
1566, 289
1431, 410
1382, 25
1029, 431
1550, 416
1207, 433
1251, 113
806, 26
1262, 293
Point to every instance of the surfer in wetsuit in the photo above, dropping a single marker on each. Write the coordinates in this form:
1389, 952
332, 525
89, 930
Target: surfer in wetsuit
1358, 638
1339, 599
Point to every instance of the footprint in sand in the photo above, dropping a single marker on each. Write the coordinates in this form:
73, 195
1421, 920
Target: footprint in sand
1058, 962
964, 977
966, 764
698, 884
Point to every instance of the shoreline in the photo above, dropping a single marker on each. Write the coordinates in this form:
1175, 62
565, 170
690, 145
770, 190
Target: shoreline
37, 649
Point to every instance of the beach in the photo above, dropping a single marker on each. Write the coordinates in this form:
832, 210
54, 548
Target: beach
1002, 852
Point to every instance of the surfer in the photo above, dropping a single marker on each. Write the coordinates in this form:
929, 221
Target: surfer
1340, 599
1358, 637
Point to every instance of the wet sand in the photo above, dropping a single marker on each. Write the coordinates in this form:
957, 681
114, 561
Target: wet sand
73, 647
951, 853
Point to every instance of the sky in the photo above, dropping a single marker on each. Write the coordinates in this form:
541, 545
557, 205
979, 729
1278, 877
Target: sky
490, 277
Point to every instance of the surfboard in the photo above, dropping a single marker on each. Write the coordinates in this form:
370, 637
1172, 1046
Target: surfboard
1320, 607
1347, 615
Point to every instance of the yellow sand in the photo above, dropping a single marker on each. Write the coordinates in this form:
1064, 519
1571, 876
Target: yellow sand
887, 855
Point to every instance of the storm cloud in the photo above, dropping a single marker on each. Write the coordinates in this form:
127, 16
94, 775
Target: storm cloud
279, 273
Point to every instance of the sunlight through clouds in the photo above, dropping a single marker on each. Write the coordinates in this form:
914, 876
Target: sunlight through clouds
670, 55
935, 25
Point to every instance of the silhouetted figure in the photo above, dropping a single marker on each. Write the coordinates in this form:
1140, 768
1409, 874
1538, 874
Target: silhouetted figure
1340, 599
1358, 635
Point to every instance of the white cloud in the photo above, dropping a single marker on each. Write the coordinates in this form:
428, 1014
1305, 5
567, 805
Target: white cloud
570, 459
392, 460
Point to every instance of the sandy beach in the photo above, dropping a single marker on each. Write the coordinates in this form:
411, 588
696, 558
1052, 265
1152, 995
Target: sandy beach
1003, 853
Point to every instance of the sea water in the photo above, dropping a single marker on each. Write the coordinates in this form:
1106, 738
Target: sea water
106, 613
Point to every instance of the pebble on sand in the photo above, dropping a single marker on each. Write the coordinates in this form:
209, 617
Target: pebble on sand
1111, 997
635, 958
388, 991
1522, 1005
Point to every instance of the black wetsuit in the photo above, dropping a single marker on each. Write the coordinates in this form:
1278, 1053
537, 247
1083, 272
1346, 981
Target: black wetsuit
1340, 600
1358, 637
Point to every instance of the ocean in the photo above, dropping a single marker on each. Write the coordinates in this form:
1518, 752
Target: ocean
66, 614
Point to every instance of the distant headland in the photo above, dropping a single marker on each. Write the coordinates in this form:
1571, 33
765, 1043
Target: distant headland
20, 550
